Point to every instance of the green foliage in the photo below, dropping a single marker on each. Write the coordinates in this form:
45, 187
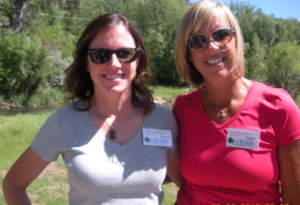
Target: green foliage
32, 64
159, 33
50, 28
26, 69
266, 36
23, 64
255, 60
270, 55
284, 67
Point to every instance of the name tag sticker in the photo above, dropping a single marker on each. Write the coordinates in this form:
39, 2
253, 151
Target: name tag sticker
157, 137
245, 139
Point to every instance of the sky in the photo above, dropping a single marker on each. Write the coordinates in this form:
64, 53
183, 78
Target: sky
279, 8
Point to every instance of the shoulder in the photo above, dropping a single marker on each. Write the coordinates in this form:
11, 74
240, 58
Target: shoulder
161, 116
187, 101
70, 111
187, 97
161, 111
66, 116
60, 115
277, 106
276, 98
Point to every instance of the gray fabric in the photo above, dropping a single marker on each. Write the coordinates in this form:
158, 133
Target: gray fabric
101, 171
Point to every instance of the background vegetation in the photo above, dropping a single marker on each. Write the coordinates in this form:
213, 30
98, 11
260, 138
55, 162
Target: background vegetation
38, 38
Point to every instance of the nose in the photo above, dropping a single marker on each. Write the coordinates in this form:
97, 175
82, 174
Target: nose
212, 44
114, 61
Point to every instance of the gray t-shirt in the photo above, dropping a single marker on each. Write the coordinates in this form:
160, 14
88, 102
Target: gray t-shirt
101, 171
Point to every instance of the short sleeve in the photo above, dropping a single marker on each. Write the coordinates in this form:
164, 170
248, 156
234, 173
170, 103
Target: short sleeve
172, 152
46, 143
287, 118
163, 118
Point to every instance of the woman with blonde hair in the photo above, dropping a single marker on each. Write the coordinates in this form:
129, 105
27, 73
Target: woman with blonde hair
239, 139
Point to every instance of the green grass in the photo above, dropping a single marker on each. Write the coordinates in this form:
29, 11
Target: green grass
167, 95
166, 92
51, 187
16, 132
298, 101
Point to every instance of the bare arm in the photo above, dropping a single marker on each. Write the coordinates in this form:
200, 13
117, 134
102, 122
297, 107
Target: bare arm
289, 162
173, 172
20, 176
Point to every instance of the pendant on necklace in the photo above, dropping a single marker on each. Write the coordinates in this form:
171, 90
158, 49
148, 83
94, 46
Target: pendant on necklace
222, 114
112, 134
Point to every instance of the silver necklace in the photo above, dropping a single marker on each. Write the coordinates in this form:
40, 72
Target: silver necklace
222, 112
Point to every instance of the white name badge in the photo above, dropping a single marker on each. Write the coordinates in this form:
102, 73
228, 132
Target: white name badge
245, 139
157, 137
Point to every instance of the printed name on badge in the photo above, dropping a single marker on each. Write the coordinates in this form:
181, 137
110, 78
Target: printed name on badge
240, 138
157, 137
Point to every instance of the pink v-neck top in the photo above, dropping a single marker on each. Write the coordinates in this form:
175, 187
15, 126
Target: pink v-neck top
220, 162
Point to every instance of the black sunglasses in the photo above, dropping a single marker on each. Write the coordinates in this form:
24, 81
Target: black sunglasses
220, 38
103, 55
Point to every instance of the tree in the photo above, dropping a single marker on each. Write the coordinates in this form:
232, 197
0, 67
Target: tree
33, 61
246, 15
255, 60
266, 36
23, 65
50, 28
284, 67
14, 10
158, 21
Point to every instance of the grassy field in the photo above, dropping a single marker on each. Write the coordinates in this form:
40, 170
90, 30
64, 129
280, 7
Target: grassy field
17, 131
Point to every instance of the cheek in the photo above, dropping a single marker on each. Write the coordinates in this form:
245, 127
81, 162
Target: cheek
197, 55
133, 71
134, 66
196, 59
232, 57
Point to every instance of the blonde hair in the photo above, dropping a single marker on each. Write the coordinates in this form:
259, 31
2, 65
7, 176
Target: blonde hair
192, 20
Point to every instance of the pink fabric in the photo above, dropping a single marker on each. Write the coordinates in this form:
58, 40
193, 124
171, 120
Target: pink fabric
216, 174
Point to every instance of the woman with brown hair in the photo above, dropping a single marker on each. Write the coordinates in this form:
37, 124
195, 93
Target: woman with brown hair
115, 141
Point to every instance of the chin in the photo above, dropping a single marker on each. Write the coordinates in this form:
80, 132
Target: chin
120, 90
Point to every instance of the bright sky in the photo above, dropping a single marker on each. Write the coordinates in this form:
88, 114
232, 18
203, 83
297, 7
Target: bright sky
279, 8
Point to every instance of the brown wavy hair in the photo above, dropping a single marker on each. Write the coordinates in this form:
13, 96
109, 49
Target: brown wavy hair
78, 81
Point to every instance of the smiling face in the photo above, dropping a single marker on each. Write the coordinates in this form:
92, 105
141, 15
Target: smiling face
113, 76
214, 60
